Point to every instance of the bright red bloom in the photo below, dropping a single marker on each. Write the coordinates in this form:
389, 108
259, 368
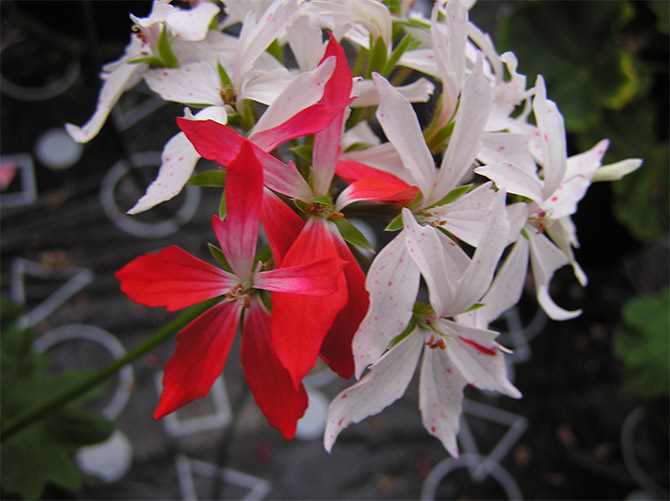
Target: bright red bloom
175, 279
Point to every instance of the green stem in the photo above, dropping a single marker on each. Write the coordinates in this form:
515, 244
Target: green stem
59, 401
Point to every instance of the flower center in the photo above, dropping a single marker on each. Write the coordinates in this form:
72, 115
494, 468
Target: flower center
239, 293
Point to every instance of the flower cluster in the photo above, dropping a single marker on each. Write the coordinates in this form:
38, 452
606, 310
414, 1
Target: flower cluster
308, 107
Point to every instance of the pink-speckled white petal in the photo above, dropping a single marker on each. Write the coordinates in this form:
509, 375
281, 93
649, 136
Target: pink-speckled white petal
195, 83
177, 163
427, 252
393, 283
478, 357
514, 179
384, 384
441, 398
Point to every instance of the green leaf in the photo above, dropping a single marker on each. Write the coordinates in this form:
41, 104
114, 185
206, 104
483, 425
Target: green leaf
586, 68
41, 454
643, 344
215, 178
352, 234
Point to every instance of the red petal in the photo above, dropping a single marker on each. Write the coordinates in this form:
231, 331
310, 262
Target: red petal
172, 278
244, 190
300, 323
198, 359
272, 386
317, 117
222, 144
378, 189
336, 350
281, 224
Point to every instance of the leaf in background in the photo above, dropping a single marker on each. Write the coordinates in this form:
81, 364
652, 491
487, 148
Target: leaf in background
40, 454
574, 46
643, 344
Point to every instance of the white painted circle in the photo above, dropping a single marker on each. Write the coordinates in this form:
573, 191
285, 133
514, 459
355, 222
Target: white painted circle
109, 461
56, 150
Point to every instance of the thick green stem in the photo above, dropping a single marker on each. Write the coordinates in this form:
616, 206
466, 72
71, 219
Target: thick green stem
73, 393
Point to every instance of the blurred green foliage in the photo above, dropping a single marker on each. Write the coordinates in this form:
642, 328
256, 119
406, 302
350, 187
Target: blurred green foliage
643, 344
606, 66
41, 455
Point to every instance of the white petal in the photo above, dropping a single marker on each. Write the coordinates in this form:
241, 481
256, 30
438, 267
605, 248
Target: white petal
563, 202
545, 259
255, 37
513, 179
265, 86
466, 216
192, 24
465, 142
177, 163
507, 286
384, 384
586, 164
478, 276
478, 358
401, 126
449, 39
114, 84
552, 137
305, 90
306, 42
441, 398
393, 283
422, 60
563, 233
618, 170
195, 83
507, 147
418, 91
425, 249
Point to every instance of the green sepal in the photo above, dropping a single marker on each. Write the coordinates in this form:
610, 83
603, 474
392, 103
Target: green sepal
223, 76
165, 51
356, 147
408, 330
453, 195
220, 258
276, 51
215, 178
412, 23
474, 307
303, 151
152, 60
352, 234
525, 234
395, 224
323, 199
222, 206
377, 61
